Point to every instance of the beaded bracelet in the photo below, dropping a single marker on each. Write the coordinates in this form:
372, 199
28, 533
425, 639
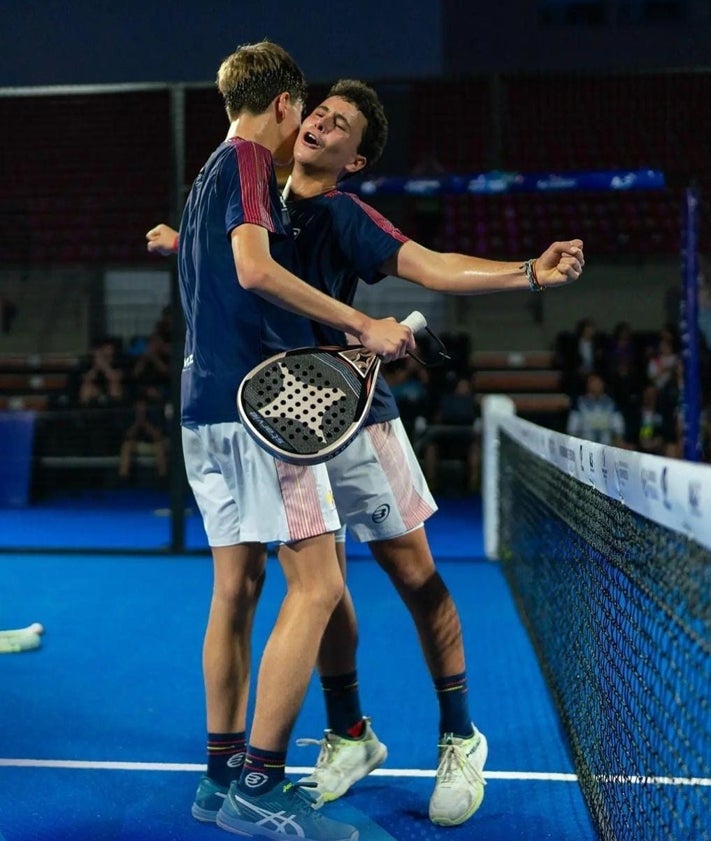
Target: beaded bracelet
529, 268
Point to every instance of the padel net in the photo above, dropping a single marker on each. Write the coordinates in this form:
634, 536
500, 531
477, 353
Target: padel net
608, 555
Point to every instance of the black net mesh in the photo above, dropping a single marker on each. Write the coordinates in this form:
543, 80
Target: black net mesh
619, 610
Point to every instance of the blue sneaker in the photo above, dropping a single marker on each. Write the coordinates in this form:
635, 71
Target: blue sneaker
288, 810
209, 798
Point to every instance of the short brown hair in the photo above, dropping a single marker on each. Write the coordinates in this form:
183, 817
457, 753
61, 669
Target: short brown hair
254, 74
367, 102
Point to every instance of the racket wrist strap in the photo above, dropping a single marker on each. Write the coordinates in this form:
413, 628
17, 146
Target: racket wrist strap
529, 268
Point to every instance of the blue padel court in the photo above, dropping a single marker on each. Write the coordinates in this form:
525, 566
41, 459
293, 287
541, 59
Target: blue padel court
102, 733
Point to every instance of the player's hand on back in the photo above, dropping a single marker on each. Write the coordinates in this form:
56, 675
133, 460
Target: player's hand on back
162, 240
561, 263
387, 338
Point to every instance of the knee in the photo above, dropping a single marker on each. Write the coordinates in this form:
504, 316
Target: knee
322, 593
240, 594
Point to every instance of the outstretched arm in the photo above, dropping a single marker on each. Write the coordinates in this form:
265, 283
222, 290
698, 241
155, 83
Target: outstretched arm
459, 274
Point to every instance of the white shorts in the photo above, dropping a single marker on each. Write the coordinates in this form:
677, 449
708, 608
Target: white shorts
245, 495
378, 484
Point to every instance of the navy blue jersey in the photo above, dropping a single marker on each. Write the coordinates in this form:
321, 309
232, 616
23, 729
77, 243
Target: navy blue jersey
229, 330
340, 240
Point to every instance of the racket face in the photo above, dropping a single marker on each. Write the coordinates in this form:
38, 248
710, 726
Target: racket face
307, 405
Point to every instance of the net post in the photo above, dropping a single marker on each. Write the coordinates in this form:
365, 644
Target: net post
177, 471
494, 406
689, 323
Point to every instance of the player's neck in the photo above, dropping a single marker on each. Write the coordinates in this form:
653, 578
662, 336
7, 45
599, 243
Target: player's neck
259, 128
306, 185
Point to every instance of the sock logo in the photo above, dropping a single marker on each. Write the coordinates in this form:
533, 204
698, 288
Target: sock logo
254, 779
381, 513
236, 760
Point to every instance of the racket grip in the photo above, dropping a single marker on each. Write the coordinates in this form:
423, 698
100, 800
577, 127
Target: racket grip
415, 321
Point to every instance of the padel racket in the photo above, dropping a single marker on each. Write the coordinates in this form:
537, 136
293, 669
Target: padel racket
305, 406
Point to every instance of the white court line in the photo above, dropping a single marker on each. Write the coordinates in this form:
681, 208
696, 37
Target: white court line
545, 776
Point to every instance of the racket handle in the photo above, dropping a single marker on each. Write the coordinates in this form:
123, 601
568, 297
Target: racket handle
415, 321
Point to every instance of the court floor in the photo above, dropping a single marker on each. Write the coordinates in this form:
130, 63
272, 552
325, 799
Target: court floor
102, 728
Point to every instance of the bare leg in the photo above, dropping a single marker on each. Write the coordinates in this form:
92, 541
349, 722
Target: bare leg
238, 579
314, 587
408, 562
337, 654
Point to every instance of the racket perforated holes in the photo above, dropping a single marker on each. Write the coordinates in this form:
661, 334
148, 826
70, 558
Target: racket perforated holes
297, 413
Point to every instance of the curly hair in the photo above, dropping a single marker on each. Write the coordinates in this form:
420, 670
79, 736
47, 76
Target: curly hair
367, 102
254, 74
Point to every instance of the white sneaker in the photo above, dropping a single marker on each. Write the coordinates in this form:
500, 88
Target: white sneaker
459, 787
343, 761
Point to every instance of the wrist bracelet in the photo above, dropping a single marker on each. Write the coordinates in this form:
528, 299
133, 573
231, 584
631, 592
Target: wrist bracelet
176, 242
529, 268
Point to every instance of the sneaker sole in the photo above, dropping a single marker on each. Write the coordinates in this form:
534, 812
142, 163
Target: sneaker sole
203, 815
376, 762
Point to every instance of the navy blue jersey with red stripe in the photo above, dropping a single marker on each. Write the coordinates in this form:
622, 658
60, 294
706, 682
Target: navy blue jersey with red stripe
341, 239
229, 330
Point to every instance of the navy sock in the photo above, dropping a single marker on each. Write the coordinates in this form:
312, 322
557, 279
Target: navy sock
453, 705
343, 711
225, 756
262, 770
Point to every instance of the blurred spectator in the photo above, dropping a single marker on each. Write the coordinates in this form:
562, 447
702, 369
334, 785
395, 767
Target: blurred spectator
650, 426
624, 376
150, 375
580, 353
595, 416
454, 435
621, 352
669, 407
101, 378
409, 381
145, 436
663, 360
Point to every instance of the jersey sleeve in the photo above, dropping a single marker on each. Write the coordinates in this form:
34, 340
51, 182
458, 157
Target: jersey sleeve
366, 237
248, 192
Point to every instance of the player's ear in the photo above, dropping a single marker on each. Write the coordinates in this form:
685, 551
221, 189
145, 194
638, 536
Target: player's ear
358, 163
281, 105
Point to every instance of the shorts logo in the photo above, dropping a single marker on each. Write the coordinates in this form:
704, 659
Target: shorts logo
254, 779
381, 513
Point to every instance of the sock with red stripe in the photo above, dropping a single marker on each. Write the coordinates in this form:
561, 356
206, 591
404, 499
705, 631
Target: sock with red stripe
453, 705
225, 756
343, 712
263, 769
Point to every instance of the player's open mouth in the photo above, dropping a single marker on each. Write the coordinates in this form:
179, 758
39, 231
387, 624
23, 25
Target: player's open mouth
310, 140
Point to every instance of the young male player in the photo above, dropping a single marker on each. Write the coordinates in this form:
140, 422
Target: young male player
234, 254
340, 239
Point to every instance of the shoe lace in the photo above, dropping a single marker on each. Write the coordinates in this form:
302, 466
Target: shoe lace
327, 749
304, 791
453, 760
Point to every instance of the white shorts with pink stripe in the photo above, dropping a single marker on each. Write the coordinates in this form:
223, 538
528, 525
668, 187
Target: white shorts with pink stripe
378, 484
245, 495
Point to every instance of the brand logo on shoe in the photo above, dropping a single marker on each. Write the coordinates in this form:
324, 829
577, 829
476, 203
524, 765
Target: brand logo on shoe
280, 822
381, 513
236, 760
255, 779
